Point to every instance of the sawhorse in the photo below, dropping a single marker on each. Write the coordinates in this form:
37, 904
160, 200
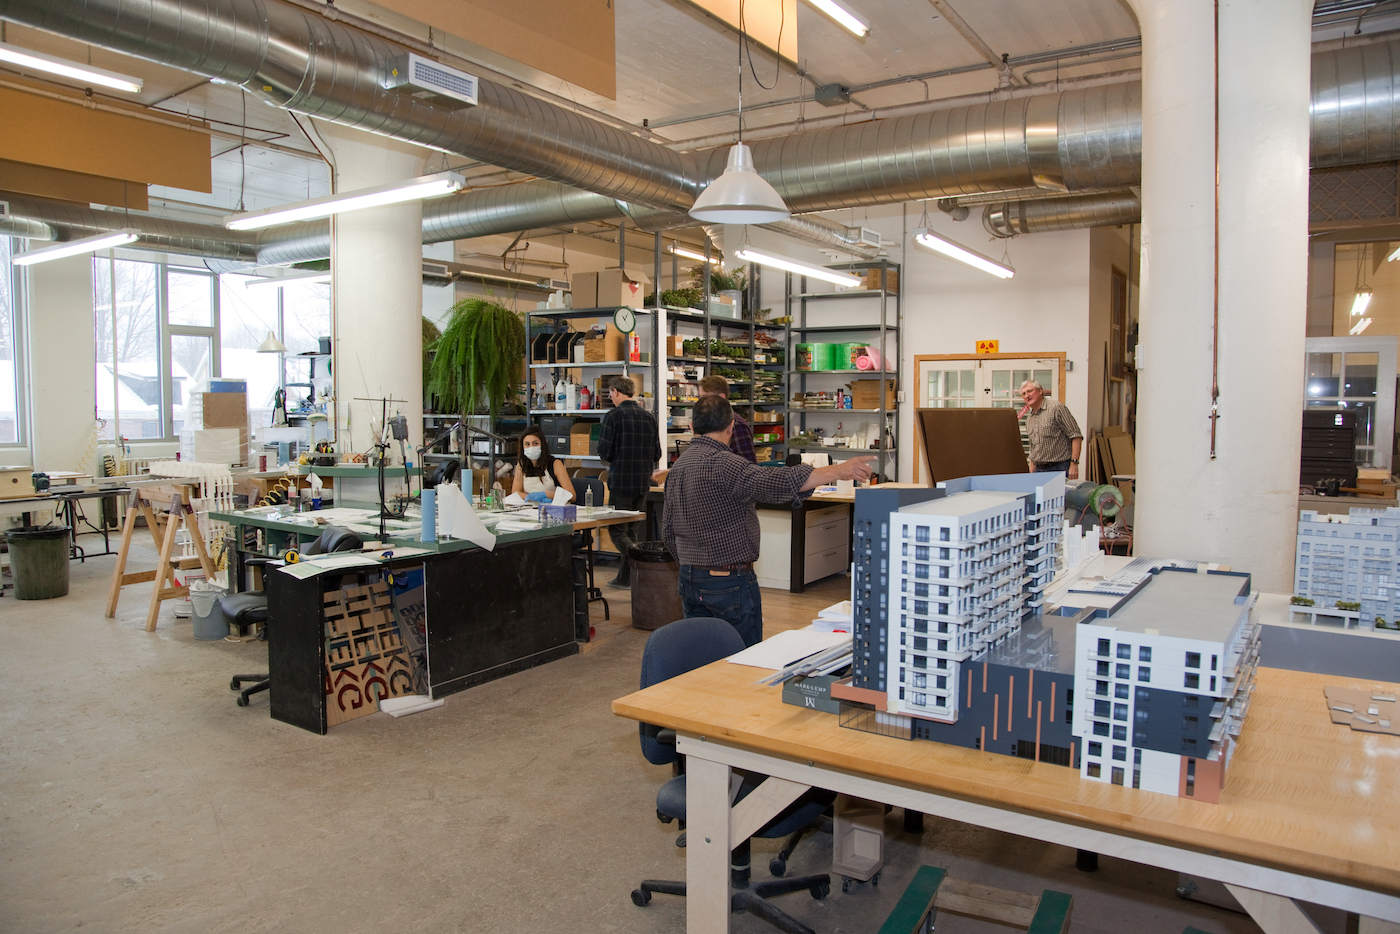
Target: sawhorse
178, 513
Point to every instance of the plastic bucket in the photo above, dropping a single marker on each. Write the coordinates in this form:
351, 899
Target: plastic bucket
39, 561
209, 622
656, 599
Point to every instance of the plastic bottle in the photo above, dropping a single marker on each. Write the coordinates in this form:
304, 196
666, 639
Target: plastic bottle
561, 393
588, 501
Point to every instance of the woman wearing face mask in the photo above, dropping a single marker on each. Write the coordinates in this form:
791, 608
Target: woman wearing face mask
538, 472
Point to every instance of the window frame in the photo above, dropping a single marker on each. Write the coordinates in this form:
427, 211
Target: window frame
19, 318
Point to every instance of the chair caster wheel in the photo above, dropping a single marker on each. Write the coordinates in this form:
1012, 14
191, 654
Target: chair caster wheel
777, 867
821, 890
233, 685
875, 880
242, 701
845, 885
640, 898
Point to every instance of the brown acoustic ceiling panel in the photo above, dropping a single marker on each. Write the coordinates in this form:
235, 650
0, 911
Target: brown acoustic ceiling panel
43, 182
770, 23
59, 135
570, 39
971, 442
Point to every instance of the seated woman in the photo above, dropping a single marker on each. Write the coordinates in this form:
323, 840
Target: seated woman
539, 472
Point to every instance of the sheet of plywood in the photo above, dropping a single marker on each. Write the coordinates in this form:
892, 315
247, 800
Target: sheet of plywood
769, 23
570, 39
1124, 461
60, 135
971, 442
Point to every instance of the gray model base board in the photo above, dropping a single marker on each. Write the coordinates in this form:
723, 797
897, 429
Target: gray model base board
1330, 653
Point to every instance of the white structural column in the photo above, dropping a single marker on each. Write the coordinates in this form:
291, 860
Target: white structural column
377, 290
62, 397
1239, 508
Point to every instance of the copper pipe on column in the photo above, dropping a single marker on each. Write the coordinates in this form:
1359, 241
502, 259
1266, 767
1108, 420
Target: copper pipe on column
1215, 313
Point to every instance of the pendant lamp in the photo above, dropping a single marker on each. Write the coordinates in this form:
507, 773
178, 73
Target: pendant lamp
740, 195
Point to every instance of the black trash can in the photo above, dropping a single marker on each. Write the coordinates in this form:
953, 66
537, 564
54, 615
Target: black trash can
656, 600
39, 561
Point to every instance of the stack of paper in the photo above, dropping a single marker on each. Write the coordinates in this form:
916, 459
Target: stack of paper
797, 652
835, 618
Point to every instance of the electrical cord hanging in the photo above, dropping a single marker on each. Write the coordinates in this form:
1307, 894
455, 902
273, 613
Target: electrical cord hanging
745, 49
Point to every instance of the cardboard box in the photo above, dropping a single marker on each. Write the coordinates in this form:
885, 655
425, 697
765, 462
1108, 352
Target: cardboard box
602, 347
579, 438
865, 394
228, 410
617, 287
872, 279
675, 346
584, 288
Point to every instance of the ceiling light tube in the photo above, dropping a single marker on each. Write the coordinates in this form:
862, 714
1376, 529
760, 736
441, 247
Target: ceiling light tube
845, 280
695, 255
1394, 255
1360, 302
413, 189
38, 61
78, 247
940, 244
843, 15
1360, 326
280, 281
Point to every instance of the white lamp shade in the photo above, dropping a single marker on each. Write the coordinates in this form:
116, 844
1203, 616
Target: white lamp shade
740, 195
272, 345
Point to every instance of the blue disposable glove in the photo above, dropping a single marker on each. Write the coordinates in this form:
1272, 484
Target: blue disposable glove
539, 498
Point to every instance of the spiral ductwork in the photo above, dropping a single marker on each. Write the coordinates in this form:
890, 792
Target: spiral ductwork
816, 229
1108, 209
1355, 100
71, 221
26, 228
315, 66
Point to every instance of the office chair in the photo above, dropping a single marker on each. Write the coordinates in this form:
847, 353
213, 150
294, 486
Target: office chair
672, 650
250, 607
446, 472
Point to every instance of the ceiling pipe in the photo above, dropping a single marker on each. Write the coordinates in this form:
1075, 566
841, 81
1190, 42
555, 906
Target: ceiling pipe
1104, 209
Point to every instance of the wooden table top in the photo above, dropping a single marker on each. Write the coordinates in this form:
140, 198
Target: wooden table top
1301, 793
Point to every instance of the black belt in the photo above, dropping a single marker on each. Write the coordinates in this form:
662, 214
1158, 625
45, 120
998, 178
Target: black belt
726, 568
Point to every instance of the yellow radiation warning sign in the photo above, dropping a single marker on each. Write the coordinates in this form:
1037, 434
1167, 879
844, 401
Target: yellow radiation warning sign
988, 346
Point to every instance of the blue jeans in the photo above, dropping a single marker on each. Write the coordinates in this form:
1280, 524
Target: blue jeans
732, 597
1057, 465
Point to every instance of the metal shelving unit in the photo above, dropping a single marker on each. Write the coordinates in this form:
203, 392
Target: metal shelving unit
884, 334
730, 330
560, 316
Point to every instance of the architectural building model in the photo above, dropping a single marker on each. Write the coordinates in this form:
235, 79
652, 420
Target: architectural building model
1353, 559
1144, 685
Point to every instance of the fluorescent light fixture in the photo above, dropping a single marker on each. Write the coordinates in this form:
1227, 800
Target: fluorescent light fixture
940, 244
279, 281
272, 345
1394, 255
845, 280
1358, 304
38, 61
695, 255
843, 15
413, 189
740, 195
1360, 326
77, 247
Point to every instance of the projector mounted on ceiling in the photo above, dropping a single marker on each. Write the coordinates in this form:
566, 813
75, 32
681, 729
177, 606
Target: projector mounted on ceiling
430, 81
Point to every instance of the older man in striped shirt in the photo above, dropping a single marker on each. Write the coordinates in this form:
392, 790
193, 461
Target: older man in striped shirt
1054, 434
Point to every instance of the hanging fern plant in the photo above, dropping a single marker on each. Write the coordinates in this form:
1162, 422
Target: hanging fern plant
477, 358
430, 336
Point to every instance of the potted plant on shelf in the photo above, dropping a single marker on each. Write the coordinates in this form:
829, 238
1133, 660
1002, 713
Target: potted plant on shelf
476, 362
730, 284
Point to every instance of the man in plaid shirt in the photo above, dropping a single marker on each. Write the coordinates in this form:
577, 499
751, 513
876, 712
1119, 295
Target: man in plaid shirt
1054, 434
630, 447
711, 525
742, 441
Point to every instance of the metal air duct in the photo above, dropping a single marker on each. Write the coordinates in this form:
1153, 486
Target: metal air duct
1106, 209
72, 221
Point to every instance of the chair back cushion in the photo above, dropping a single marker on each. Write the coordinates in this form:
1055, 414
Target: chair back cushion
334, 538
673, 650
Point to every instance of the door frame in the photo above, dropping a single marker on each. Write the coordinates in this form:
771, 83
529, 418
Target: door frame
1060, 355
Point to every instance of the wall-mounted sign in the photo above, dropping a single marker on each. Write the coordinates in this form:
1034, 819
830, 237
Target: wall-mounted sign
988, 346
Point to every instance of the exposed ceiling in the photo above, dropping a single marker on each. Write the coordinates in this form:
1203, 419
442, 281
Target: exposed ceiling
677, 76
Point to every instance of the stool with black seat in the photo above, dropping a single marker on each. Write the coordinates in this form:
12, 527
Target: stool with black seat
672, 650
585, 538
250, 607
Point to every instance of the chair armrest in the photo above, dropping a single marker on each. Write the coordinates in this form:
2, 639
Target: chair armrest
666, 737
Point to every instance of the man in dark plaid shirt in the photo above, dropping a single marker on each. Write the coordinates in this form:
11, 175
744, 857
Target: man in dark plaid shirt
742, 441
630, 447
710, 523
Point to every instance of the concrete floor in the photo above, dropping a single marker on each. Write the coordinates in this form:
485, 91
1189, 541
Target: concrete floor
138, 797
